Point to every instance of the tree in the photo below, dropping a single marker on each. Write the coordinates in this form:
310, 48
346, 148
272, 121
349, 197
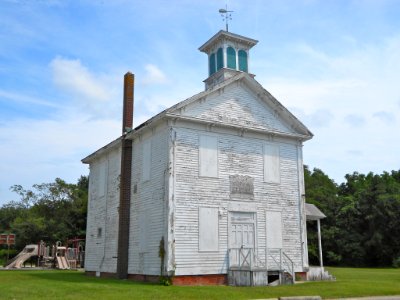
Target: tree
50, 211
363, 224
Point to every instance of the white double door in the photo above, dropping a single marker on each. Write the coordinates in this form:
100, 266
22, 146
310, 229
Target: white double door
241, 238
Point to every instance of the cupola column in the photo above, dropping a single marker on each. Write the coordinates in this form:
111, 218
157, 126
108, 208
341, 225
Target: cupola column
225, 47
237, 58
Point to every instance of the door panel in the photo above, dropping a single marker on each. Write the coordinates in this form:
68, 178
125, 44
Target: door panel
242, 235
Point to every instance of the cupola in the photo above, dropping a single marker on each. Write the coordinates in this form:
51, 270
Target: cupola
228, 54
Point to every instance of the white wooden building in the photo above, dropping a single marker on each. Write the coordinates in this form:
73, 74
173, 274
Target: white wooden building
215, 182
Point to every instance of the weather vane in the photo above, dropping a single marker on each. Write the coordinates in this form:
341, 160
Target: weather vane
226, 15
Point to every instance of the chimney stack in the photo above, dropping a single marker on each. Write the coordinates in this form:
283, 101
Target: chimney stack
127, 114
125, 179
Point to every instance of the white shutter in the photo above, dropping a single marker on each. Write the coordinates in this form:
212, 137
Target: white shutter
102, 179
274, 229
144, 234
146, 165
271, 163
208, 157
208, 229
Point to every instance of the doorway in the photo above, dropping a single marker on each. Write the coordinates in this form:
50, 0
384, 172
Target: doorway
241, 238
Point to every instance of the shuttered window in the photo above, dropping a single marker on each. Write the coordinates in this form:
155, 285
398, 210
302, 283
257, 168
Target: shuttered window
146, 163
208, 229
274, 229
144, 232
271, 163
208, 156
102, 179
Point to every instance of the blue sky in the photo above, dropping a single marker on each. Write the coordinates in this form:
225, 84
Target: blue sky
334, 64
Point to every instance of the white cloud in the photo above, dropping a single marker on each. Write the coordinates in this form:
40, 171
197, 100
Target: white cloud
97, 94
354, 120
153, 75
74, 78
26, 99
385, 117
38, 151
348, 106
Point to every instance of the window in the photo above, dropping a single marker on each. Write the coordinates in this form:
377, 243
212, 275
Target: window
220, 59
102, 182
144, 232
231, 55
208, 156
99, 231
208, 229
146, 164
271, 163
274, 229
242, 60
212, 64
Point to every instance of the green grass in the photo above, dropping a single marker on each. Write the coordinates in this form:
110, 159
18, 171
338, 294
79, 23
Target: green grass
75, 285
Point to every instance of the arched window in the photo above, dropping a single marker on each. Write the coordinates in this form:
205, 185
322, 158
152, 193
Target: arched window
220, 59
231, 55
242, 60
212, 64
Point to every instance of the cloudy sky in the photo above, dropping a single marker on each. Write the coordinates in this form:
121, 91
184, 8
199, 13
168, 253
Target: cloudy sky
334, 64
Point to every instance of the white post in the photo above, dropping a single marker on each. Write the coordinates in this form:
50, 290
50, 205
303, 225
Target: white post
225, 56
320, 245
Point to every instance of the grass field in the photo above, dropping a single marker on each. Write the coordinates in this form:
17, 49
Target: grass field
75, 285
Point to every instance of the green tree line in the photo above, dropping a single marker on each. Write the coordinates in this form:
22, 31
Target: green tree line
362, 227
50, 212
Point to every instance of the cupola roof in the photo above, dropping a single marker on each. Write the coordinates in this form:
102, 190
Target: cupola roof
223, 35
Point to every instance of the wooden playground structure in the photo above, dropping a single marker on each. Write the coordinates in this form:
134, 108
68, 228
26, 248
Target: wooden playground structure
70, 256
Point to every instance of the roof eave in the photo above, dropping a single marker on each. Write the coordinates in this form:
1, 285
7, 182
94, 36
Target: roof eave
88, 159
298, 137
223, 33
298, 125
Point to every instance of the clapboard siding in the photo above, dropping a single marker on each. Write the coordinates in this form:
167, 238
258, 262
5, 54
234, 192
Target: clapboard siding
148, 204
236, 155
237, 105
167, 191
101, 251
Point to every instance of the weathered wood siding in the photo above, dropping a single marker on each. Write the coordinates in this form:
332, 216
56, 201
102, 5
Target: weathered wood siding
102, 219
170, 197
149, 201
237, 105
236, 155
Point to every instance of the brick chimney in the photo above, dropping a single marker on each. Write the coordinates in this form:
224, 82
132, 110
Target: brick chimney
125, 178
127, 113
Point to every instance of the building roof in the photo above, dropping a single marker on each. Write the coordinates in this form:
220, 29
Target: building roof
313, 213
302, 132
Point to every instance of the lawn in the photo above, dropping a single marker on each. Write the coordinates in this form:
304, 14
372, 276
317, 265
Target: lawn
75, 285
